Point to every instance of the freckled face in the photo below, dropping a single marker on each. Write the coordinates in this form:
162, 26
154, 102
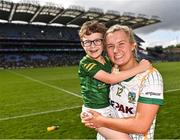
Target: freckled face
119, 48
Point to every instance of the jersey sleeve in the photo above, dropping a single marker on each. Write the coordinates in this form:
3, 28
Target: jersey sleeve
89, 68
152, 89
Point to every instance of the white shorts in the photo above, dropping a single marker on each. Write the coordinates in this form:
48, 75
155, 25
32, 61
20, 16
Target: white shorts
107, 111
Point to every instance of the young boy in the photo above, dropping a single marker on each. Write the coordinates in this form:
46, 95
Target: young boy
95, 71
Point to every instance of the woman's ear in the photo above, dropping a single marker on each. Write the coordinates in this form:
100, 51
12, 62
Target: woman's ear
133, 46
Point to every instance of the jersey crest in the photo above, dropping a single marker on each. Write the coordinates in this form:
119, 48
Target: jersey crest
132, 97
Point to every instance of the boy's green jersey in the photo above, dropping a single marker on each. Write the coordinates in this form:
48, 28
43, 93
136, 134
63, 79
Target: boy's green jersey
94, 92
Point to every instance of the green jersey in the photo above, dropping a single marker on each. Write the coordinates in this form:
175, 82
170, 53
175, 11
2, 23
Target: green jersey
94, 92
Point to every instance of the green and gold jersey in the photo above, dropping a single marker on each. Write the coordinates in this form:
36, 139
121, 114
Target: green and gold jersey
94, 92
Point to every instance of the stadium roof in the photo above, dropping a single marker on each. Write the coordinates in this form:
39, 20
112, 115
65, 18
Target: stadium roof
32, 12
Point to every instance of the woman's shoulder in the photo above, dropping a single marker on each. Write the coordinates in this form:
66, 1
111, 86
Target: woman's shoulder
151, 71
152, 75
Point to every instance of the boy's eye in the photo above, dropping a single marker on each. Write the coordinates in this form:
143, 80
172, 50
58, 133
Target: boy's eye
87, 42
97, 40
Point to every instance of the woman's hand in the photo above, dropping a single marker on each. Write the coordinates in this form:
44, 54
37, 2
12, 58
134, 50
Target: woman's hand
91, 119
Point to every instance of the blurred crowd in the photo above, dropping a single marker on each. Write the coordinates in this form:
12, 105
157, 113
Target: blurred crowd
39, 59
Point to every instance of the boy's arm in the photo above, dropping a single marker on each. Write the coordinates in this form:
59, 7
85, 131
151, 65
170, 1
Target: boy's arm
112, 78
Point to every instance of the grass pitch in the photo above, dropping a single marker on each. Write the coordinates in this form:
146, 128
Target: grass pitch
33, 99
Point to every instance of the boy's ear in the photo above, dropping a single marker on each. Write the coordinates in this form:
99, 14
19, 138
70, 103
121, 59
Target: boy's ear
81, 43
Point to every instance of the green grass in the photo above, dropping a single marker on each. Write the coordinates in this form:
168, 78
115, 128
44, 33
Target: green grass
168, 122
22, 95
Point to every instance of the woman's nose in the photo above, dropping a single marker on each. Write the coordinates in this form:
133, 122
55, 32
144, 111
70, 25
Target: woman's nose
115, 49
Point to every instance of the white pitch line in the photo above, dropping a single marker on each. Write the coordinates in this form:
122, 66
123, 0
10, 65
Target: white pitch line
46, 84
39, 113
171, 90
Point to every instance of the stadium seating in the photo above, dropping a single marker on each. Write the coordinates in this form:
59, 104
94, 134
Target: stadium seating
54, 42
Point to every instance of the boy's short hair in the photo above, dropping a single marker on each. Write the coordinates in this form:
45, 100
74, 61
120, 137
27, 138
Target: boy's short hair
92, 26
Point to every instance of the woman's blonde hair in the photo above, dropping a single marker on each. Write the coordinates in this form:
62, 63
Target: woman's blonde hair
128, 31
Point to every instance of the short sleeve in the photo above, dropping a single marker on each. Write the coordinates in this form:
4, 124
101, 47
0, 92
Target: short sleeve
90, 68
152, 89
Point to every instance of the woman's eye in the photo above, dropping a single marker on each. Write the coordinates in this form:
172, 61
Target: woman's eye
121, 45
110, 46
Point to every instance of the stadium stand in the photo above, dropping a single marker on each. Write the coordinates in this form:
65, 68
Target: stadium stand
34, 35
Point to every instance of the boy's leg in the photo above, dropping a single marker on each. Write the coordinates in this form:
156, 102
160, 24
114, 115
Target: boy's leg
109, 133
112, 134
99, 137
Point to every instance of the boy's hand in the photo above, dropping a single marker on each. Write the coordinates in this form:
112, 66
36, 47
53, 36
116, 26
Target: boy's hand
144, 65
115, 69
